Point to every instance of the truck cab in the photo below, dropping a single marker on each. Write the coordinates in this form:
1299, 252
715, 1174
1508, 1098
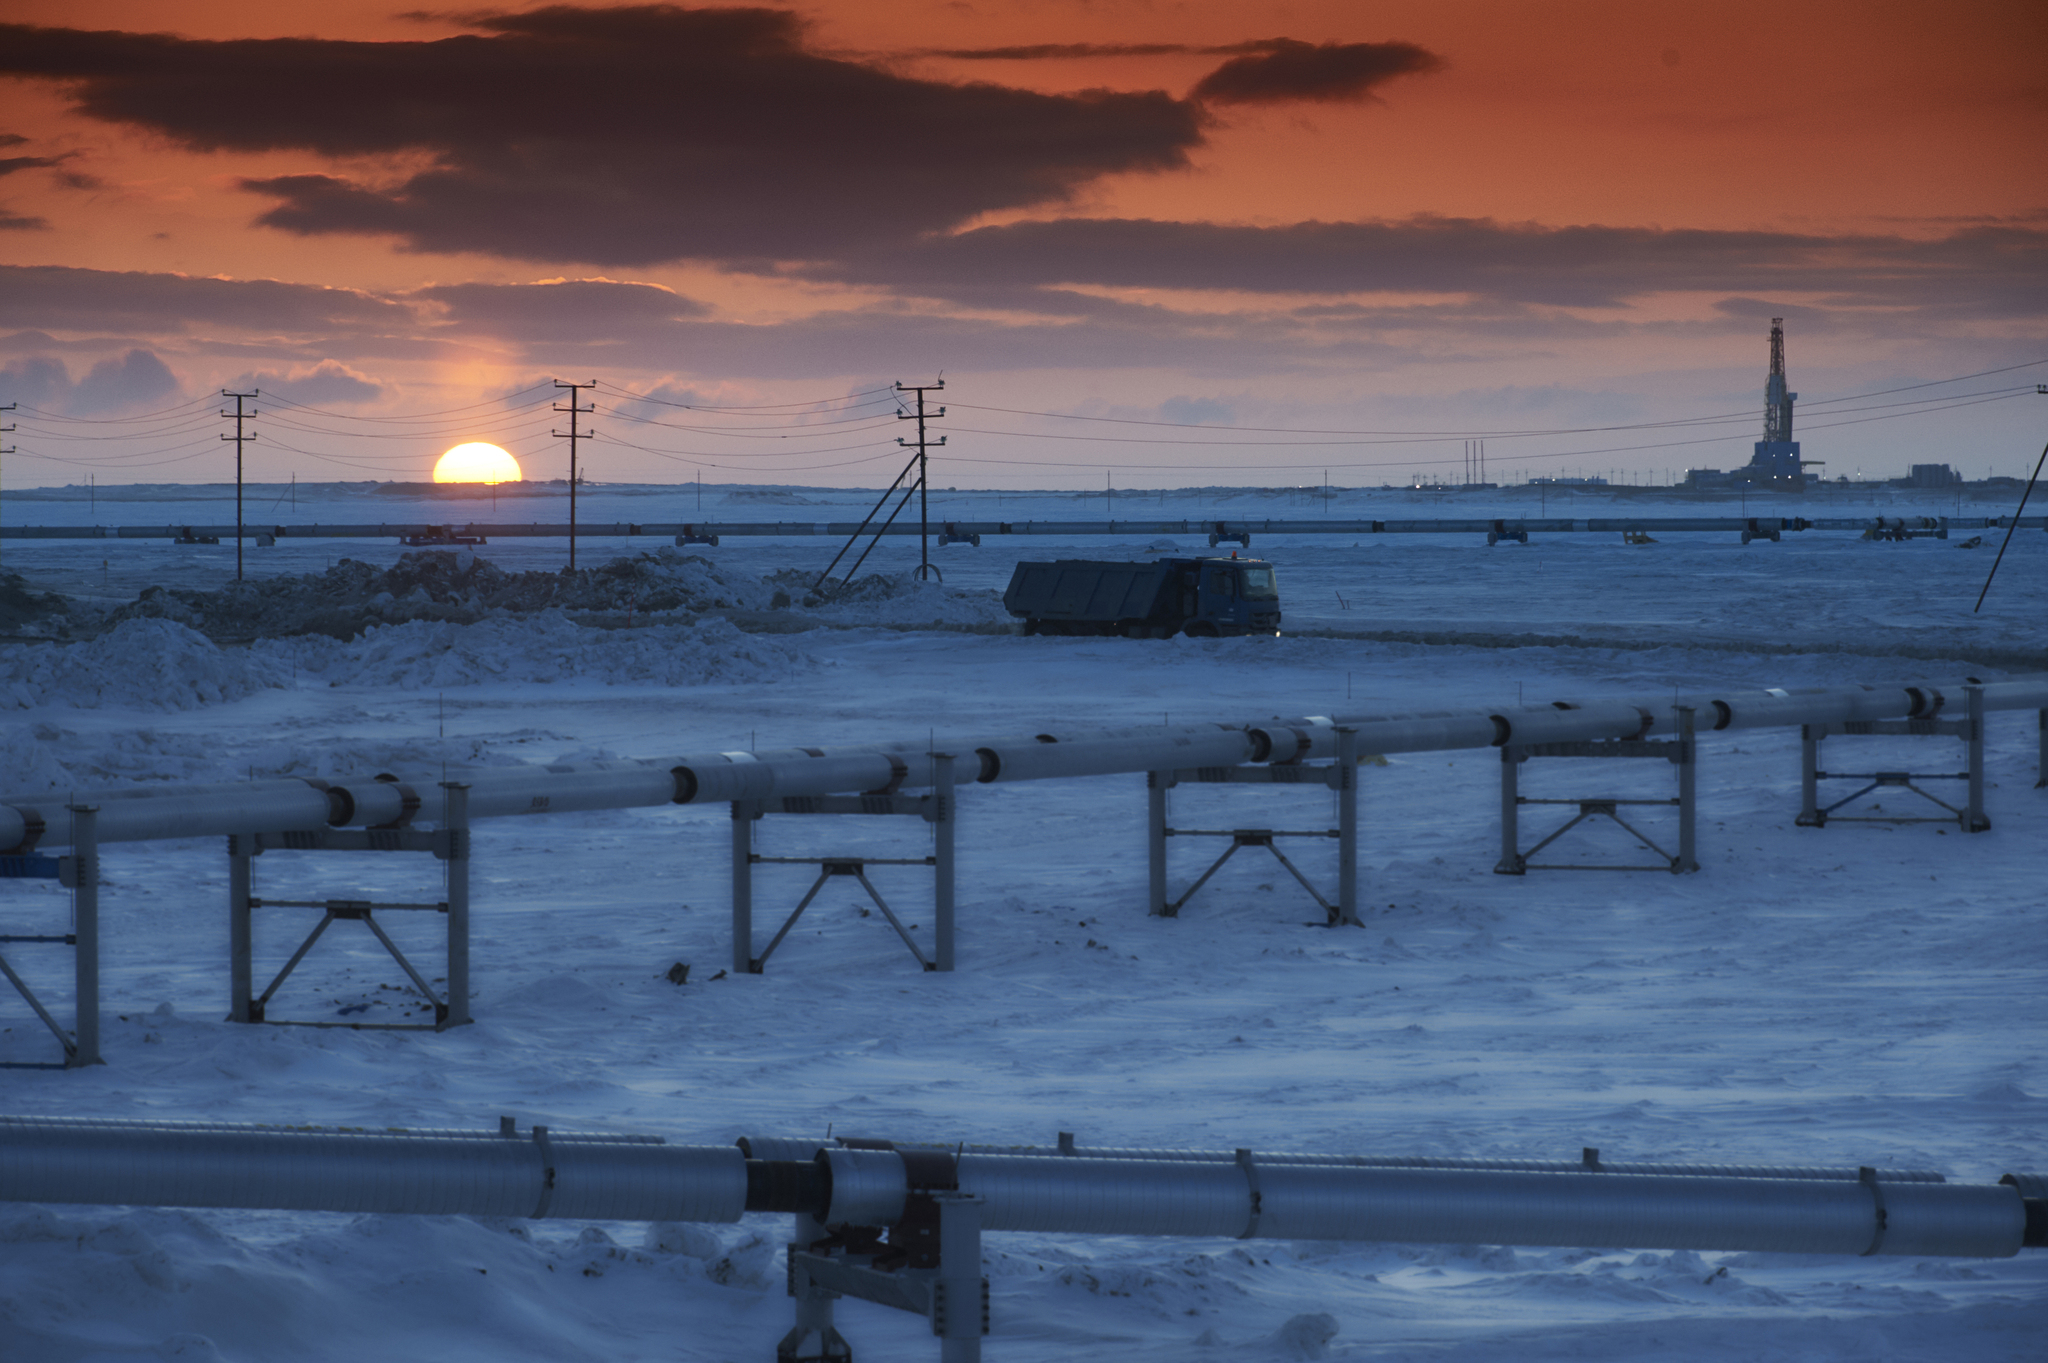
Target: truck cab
1225, 596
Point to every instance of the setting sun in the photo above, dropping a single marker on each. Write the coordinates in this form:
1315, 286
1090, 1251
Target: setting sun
477, 462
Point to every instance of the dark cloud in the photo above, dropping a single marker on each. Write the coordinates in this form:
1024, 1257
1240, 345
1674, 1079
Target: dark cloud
114, 384
2002, 269
326, 384
61, 298
1261, 71
1037, 52
19, 222
10, 164
39, 381
133, 380
614, 136
570, 310
1289, 71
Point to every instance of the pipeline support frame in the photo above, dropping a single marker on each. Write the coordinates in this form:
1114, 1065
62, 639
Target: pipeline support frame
938, 808
1682, 752
1341, 775
449, 844
79, 873
953, 1296
1970, 729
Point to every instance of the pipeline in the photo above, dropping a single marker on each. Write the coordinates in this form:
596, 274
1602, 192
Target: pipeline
137, 814
701, 530
540, 1173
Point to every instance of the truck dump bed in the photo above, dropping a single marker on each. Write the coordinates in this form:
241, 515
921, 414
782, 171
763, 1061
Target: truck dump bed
1073, 589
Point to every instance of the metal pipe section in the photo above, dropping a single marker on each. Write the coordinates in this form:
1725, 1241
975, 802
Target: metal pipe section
531, 1174
1589, 1163
538, 1173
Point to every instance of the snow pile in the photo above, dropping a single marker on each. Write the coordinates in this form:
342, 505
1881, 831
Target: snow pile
139, 664
23, 611
28, 756
899, 600
159, 664
457, 587
548, 647
443, 585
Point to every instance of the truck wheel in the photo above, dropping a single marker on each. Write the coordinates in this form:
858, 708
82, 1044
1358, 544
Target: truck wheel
1202, 629
1031, 626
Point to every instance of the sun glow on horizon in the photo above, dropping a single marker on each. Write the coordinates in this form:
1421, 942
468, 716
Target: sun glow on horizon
477, 462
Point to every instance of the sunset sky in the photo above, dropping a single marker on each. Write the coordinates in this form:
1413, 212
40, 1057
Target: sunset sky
1388, 227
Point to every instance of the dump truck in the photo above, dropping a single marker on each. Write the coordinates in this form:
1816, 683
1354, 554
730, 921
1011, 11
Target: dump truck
1203, 597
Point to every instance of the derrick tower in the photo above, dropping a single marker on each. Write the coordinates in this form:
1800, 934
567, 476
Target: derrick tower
1777, 402
1776, 463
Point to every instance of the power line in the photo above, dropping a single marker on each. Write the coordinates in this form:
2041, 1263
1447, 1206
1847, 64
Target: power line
1424, 437
415, 416
115, 420
761, 407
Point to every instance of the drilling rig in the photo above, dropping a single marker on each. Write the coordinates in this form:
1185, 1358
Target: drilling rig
1776, 463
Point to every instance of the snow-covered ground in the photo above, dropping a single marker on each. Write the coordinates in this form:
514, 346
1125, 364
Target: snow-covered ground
1862, 994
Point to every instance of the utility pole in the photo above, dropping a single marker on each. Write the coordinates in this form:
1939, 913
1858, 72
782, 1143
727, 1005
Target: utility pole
4, 430
924, 527
240, 440
572, 435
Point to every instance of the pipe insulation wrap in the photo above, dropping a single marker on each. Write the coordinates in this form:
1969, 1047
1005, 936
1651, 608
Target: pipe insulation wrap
1427, 731
708, 783
250, 806
338, 1171
1263, 1158
1107, 1197
1030, 760
1597, 720
1432, 1206
869, 1187
1491, 1207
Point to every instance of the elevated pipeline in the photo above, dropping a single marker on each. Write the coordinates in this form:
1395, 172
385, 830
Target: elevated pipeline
136, 814
1313, 1197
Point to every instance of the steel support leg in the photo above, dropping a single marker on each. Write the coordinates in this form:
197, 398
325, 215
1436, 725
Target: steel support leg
1156, 784
455, 801
743, 812
1347, 826
960, 1313
1809, 778
813, 1338
942, 859
1688, 786
1511, 863
85, 846
241, 935
1974, 820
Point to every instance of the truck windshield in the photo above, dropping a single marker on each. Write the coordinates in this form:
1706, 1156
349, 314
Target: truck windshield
1259, 584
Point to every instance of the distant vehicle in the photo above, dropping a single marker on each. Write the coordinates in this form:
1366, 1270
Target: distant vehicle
1202, 597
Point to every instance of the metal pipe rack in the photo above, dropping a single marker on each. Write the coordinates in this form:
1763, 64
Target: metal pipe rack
309, 813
